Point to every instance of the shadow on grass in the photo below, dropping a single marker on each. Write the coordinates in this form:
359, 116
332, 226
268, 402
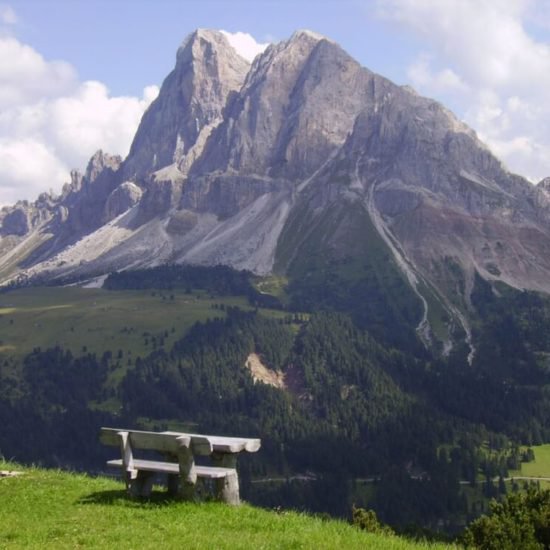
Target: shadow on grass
158, 498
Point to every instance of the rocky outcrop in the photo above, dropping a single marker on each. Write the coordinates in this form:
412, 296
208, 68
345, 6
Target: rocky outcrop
17, 222
445, 196
24, 217
86, 201
99, 165
296, 107
190, 101
124, 197
543, 194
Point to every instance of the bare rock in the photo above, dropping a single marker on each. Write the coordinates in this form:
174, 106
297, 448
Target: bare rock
124, 197
17, 222
191, 98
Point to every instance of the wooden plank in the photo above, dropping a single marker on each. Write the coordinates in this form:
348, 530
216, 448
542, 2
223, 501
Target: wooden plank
209, 472
150, 465
200, 442
224, 444
169, 442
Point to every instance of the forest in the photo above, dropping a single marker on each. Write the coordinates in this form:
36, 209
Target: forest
365, 422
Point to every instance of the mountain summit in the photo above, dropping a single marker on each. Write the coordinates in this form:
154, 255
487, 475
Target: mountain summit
305, 164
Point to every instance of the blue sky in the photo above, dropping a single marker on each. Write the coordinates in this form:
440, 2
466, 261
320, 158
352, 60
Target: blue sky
77, 75
131, 43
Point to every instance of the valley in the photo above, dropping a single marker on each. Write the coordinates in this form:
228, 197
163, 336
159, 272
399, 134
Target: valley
194, 348
298, 249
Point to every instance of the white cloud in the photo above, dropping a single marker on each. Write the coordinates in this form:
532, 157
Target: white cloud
446, 80
7, 15
27, 168
482, 57
25, 76
90, 119
245, 44
50, 122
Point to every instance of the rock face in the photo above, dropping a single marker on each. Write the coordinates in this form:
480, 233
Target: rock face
86, 204
191, 100
124, 197
297, 163
298, 102
17, 222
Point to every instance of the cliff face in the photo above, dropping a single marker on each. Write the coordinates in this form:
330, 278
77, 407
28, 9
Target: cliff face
303, 155
190, 102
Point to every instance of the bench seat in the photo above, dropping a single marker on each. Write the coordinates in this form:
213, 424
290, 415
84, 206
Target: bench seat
209, 472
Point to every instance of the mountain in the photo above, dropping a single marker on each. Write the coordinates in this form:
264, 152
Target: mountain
368, 197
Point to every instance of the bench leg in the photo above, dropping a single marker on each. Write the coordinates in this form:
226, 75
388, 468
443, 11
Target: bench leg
227, 489
181, 488
139, 485
146, 479
188, 476
130, 478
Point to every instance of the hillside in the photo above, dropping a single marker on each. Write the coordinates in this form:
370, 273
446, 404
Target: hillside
96, 320
354, 410
53, 509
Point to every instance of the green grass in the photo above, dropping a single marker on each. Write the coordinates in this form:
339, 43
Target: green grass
100, 320
54, 509
274, 285
323, 269
128, 323
540, 467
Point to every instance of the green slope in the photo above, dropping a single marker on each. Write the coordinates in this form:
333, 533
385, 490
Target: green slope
101, 320
336, 260
53, 509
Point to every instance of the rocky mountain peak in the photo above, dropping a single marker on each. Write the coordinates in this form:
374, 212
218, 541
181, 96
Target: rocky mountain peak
99, 162
544, 184
189, 104
203, 42
298, 103
307, 35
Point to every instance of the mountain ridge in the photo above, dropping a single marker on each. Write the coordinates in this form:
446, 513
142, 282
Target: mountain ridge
230, 153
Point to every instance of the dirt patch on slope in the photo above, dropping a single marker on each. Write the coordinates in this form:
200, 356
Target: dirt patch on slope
261, 373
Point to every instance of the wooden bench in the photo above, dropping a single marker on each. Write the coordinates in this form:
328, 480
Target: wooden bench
179, 450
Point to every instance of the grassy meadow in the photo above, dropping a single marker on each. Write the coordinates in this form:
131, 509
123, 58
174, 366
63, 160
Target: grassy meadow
538, 468
54, 509
94, 320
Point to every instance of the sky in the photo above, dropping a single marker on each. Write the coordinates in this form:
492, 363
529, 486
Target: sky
77, 75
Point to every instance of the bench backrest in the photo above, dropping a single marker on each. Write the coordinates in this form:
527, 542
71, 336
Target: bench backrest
155, 441
224, 444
